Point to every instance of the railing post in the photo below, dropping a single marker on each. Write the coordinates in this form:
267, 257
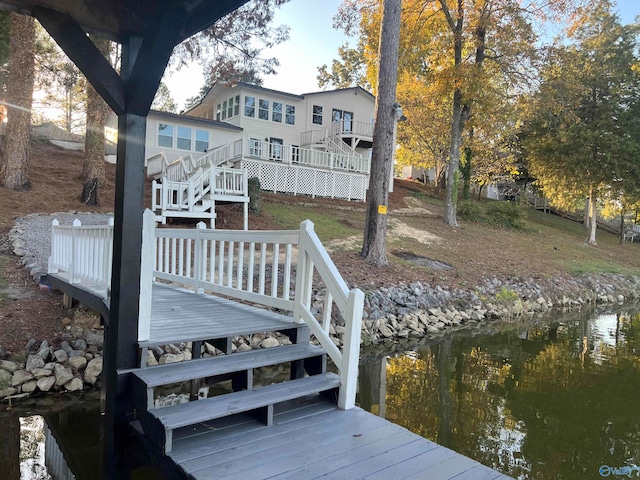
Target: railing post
304, 273
199, 259
74, 252
147, 266
53, 258
351, 350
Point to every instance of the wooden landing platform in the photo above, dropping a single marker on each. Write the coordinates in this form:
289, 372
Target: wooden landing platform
318, 441
180, 315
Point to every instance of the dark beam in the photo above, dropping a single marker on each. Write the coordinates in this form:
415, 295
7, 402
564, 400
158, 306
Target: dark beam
207, 14
97, 17
152, 59
82, 51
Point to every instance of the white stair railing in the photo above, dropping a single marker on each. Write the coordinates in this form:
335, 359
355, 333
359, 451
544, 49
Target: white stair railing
256, 266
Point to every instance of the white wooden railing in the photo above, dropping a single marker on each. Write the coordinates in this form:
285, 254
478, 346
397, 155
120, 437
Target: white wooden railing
82, 253
296, 155
254, 266
185, 195
353, 128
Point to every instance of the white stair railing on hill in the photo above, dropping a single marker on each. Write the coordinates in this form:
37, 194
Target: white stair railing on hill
254, 266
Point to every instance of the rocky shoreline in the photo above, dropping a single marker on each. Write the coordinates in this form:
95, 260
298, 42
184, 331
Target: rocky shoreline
401, 313
411, 312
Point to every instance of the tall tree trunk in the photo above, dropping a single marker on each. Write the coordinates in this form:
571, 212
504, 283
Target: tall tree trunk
97, 112
587, 213
593, 218
19, 97
622, 227
466, 172
373, 246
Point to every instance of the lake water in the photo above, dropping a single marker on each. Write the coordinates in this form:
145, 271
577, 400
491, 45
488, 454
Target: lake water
558, 401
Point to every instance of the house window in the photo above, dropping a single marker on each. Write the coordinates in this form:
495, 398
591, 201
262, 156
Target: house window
275, 148
230, 107
344, 118
276, 112
165, 135
250, 107
218, 111
202, 140
224, 110
255, 147
184, 138
263, 109
317, 114
236, 106
290, 117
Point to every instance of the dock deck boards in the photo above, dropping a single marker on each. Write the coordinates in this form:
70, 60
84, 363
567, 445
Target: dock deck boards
315, 440
179, 314
330, 443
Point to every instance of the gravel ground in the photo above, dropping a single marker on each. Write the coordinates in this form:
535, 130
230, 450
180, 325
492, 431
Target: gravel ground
35, 231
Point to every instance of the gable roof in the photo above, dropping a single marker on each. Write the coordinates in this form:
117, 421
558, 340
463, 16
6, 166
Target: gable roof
355, 89
196, 120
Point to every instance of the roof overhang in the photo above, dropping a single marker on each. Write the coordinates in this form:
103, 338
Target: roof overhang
117, 19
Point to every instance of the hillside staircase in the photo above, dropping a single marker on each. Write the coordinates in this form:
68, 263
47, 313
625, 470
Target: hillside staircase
191, 188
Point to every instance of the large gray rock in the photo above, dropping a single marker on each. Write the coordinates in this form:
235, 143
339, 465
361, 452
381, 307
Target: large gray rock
77, 362
20, 376
42, 372
34, 362
46, 383
151, 359
29, 387
8, 366
75, 385
44, 353
63, 375
385, 331
60, 356
7, 392
243, 347
93, 370
5, 378
171, 358
269, 342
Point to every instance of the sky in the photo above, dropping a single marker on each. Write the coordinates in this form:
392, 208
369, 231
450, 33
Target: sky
313, 42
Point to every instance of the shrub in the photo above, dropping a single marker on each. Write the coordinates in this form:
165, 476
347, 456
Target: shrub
497, 213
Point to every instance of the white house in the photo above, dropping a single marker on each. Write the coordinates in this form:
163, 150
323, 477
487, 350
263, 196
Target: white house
316, 144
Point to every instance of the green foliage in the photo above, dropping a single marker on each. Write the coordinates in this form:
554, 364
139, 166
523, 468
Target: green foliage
255, 197
506, 295
496, 213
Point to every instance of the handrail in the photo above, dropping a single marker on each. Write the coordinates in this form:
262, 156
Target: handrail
256, 266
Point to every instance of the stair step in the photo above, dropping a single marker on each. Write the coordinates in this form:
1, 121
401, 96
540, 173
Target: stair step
210, 367
162, 422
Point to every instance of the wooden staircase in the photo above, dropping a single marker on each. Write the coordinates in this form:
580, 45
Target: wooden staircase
308, 378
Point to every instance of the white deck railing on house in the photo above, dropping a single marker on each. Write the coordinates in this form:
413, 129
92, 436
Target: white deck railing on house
296, 155
353, 128
254, 266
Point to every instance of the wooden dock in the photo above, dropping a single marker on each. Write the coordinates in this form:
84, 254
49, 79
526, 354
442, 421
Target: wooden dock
210, 286
287, 430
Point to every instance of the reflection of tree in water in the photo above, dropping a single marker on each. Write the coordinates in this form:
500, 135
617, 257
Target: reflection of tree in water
550, 402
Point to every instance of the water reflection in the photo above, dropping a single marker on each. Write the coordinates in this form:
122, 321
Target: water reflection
548, 402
